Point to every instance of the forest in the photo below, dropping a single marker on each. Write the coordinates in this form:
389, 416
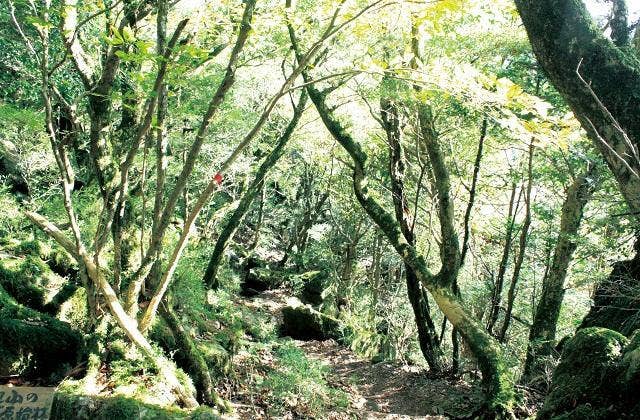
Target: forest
322, 209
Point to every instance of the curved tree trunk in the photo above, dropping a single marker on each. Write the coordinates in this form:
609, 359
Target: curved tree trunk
125, 322
496, 376
427, 335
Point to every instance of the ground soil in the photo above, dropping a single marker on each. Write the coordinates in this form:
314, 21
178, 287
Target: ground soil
376, 391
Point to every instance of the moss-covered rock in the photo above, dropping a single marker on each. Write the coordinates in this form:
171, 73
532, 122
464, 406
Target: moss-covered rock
32, 282
23, 280
591, 381
302, 322
33, 343
258, 276
70, 406
313, 284
615, 302
217, 357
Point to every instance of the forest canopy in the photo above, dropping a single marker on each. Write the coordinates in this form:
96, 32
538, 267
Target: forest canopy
321, 209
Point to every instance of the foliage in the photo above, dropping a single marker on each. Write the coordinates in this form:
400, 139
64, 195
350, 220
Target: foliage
121, 129
298, 384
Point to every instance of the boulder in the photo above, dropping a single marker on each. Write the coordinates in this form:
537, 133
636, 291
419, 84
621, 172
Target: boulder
313, 284
34, 344
615, 302
67, 405
595, 377
258, 277
302, 322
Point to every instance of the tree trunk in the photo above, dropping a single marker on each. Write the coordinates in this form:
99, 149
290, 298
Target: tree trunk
126, 323
233, 221
496, 376
427, 335
496, 296
542, 333
524, 234
194, 363
599, 80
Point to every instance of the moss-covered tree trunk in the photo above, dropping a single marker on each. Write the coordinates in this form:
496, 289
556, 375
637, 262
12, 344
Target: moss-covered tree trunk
496, 376
615, 301
125, 322
542, 333
255, 187
427, 335
194, 362
599, 80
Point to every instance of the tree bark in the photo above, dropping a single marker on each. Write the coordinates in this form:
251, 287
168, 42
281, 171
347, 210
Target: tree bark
599, 80
427, 335
542, 333
194, 362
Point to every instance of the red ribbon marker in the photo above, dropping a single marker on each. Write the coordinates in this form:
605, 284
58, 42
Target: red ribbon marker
218, 178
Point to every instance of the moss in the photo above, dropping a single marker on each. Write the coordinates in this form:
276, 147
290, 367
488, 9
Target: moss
313, 284
589, 375
616, 298
304, 323
29, 247
25, 334
216, 356
68, 405
21, 287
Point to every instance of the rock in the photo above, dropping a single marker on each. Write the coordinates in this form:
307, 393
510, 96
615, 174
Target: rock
70, 406
258, 277
615, 303
302, 322
34, 343
595, 378
313, 284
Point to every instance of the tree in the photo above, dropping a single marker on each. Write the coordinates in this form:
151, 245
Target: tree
542, 333
486, 350
598, 78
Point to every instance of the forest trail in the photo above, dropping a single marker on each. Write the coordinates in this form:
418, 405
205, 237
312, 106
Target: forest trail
375, 390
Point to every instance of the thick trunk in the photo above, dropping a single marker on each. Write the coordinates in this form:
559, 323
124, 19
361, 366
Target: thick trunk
125, 322
615, 300
600, 81
427, 334
542, 333
194, 362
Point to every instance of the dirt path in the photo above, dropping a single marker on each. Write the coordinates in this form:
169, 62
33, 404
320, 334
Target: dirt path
381, 390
